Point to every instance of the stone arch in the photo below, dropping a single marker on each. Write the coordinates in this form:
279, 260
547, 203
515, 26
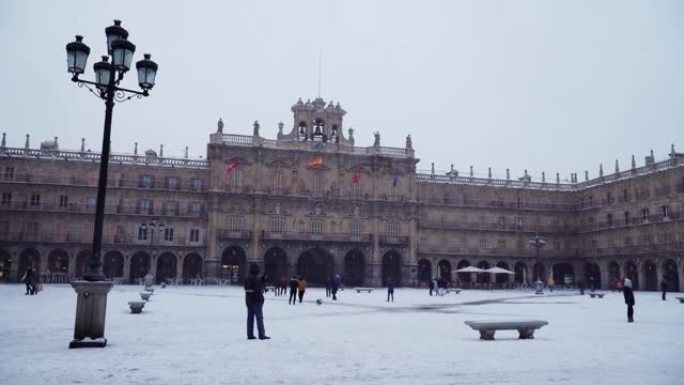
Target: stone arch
58, 261
592, 275
632, 273
275, 264
464, 277
424, 270
5, 266
167, 265
613, 273
113, 264
28, 257
354, 267
192, 266
671, 274
82, 263
483, 278
563, 274
391, 267
520, 270
444, 270
502, 278
539, 272
316, 265
233, 264
140, 265
650, 276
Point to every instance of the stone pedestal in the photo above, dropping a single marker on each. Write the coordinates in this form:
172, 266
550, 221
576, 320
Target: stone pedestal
91, 310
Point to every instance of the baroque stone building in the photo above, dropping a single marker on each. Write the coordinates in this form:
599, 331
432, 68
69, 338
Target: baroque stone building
311, 202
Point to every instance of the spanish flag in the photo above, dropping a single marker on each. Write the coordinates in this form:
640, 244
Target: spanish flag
356, 179
232, 165
316, 162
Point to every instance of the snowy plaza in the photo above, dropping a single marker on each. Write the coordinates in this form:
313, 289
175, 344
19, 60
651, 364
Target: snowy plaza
196, 335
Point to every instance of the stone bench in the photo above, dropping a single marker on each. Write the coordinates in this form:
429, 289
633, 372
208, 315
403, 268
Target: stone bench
136, 306
488, 328
269, 288
453, 291
681, 299
366, 289
594, 295
145, 295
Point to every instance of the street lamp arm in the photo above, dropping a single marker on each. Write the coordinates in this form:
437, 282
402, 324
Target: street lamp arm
120, 93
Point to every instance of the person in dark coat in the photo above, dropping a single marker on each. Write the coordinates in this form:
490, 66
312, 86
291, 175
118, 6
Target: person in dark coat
28, 280
328, 287
254, 299
335, 287
432, 285
629, 298
294, 284
390, 289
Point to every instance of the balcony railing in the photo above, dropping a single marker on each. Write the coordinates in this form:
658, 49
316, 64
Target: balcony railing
112, 182
458, 225
652, 248
86, 237
310, 236
235, 234
394, 239
181, 211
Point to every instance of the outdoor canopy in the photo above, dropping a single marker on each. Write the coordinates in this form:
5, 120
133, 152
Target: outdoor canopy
471, 269
498, 270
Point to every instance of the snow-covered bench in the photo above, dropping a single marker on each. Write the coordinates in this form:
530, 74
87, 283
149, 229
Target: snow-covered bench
487, 329
594, 295
366, 289
681, 299
453, 291
136, 306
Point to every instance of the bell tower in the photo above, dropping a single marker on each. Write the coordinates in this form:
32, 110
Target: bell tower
315, 121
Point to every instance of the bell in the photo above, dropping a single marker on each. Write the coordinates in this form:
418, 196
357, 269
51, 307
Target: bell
318, 132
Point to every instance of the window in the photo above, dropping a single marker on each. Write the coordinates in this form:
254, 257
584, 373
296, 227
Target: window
356, 191
168, 234
520, 223
142, 232
146, 181
195, 208
392, 228
31, 230
609, 219
317, 226
6, 199
317, 183
9, 173
628, 217
145, 207
355, 227
90, 203
63, 201
645, 213
609, 197
502, 222
277, 181
35, 199
483, 243
628, 241
194, 235
277, 224
625, 195
172, 183
236, 179
196, 184
502, 243
234, 223
665, 211
170, 208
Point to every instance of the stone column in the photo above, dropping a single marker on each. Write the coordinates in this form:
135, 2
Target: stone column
126, 268
91, 311
14, 267
153, 266
605, 274
179, 267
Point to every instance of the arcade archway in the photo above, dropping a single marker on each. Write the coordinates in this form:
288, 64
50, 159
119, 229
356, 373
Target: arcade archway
444, 269
233, 264
166, 267
113, 264
391, 267
140, 266
424, 270
354, 268
192, 266
316, 265
275, 264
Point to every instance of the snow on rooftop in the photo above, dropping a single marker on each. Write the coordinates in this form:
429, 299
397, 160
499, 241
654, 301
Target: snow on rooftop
196, 335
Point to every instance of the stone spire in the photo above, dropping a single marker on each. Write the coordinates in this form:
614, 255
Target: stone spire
409, 144
220, 126
601, 170
135, 149
672, 151
471, 171
508, 174
617, 166
56, 144
82, 144
489, 173
280, 129
433, 168
256, 128
4, 142
543, 177
351, 135
376, 143
186, 152
161, 150
557, 178
633, 162
26, 145
586, 176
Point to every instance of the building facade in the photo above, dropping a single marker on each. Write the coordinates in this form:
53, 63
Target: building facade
313, 203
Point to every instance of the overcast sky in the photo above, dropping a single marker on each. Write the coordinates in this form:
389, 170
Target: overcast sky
555, 86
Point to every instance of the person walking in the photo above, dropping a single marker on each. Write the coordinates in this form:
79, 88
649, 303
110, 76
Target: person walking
629, 298
294, 284
254, 299
390, 289
301, 288
328, 287
282, 285
432, 285
335, 287
27, 278
663, 288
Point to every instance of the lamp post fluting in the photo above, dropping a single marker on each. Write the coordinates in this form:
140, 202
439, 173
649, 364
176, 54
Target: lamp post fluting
92, 291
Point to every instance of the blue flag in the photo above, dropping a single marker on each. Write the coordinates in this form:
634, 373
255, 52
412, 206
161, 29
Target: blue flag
395, 180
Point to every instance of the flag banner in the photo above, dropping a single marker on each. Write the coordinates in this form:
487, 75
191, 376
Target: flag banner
316, 162
232, 165
395, 180
356, 179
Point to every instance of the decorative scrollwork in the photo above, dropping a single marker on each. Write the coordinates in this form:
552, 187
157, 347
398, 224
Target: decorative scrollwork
98, 94
121, 96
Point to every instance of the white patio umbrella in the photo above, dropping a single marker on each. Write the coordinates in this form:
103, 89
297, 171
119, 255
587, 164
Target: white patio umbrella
470, 269
498, 270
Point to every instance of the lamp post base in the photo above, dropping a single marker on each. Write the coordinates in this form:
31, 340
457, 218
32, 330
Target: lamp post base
91, 310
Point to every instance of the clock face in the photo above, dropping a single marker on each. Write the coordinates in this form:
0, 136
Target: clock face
318, 146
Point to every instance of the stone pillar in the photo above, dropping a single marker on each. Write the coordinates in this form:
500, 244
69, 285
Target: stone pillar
14, 267
605, 274
680, 268
126, 268
153, 266
91, 311
179, 266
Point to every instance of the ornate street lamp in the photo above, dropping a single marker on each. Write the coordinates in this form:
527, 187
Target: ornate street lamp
92, 291
538, 242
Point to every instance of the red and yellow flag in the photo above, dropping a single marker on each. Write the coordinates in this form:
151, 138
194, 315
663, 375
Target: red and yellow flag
232, 165
356, 179
316, 162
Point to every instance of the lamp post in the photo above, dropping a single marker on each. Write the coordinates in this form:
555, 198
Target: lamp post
92, 291
538, 242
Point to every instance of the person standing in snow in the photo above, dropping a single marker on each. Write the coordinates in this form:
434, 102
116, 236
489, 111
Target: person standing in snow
328, 287
663, 288
629, 298
335, 287
301, 288
28, 280
254, 299
294, 284
432, 285
390, 289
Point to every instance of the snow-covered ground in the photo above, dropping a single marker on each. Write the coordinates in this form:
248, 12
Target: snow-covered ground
196, 335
